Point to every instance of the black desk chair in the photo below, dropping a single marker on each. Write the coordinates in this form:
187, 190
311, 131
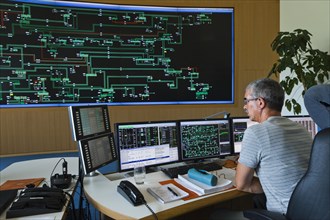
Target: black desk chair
311, 197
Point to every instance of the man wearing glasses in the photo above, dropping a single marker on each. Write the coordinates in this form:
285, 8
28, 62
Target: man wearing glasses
277, 149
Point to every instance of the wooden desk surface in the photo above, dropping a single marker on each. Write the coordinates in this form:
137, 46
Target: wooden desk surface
102, 193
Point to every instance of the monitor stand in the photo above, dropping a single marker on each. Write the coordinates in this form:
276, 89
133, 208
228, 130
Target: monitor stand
129, 174
148, 170
91, 174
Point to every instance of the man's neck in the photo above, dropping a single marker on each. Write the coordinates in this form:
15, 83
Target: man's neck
268, 113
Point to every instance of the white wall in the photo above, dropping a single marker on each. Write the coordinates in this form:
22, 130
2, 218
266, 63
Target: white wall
312, 15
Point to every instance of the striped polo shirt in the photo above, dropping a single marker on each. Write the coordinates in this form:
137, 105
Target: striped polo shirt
279, 150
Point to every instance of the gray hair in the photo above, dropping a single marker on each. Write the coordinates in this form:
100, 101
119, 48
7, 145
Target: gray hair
270, 90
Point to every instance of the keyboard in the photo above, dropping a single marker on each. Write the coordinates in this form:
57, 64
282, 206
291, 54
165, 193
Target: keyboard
173, 172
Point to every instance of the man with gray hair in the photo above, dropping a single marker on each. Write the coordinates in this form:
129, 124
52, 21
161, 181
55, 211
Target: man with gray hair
277, 149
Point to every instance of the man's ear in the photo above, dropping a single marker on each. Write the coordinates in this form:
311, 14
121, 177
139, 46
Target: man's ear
261, 103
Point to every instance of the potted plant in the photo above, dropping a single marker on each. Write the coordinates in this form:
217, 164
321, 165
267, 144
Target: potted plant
308, 66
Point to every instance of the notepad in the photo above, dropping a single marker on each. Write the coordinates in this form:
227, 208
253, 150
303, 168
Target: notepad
167, 193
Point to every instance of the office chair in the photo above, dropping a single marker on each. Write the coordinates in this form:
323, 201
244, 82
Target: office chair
311, 197
317, 103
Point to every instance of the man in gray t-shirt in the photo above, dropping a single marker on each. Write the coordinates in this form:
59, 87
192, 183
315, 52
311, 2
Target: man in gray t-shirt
277, 149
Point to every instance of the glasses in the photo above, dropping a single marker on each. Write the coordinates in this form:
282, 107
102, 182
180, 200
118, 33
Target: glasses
246, 101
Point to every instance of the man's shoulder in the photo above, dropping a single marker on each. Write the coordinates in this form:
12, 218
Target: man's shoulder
279, 120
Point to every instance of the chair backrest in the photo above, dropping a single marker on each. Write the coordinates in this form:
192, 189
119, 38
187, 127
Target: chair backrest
310, 199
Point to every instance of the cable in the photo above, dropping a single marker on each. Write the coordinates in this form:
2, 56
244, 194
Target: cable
55, 168
152, 211
82, 198
81, 180
72, 204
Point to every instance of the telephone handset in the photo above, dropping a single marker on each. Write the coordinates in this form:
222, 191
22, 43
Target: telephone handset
130, 192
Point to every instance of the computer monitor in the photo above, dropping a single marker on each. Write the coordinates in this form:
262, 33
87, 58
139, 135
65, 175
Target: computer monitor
239, 125
203, 139
306, 121
89, 120
97, 152
150, 143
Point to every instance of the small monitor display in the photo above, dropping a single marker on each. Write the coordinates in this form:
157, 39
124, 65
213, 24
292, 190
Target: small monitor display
202, 139
97, 152
150, 143
239, 125
88, 121
307, 122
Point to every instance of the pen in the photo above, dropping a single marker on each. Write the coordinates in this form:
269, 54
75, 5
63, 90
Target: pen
172, 191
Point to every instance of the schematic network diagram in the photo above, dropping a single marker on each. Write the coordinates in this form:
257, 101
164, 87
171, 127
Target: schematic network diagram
52, 54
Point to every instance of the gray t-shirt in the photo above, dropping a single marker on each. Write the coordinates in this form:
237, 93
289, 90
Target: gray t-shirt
279, 150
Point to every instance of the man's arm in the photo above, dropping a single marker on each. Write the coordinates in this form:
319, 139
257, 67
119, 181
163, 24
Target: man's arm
246, 181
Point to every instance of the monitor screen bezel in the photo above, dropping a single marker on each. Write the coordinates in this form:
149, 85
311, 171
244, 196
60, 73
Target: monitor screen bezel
75, 127
84, 157
134, 8
245, 118
205, 157
116, 125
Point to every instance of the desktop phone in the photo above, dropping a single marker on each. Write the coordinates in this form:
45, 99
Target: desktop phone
130, 192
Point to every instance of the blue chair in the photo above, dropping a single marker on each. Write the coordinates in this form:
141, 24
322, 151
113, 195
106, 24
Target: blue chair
317, 103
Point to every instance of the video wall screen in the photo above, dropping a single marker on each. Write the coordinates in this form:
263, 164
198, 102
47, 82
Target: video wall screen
66, 53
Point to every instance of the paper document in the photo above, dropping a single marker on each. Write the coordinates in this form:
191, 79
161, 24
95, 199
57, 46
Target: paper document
201, 188
167, 193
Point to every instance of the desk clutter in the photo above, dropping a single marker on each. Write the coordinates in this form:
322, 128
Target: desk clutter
197, 188
173, 172
194, 184
202, 185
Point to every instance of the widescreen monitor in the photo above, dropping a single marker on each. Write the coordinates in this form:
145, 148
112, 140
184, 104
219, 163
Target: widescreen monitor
239, 125
97, 152
89, 120
60, 52
150, 143
307, 122
203, 139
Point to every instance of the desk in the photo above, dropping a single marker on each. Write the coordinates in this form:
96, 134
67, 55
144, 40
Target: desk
102, 193
39, 168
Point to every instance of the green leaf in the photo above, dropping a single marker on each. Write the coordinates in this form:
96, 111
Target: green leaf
296, 53
297, 109
288, 105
